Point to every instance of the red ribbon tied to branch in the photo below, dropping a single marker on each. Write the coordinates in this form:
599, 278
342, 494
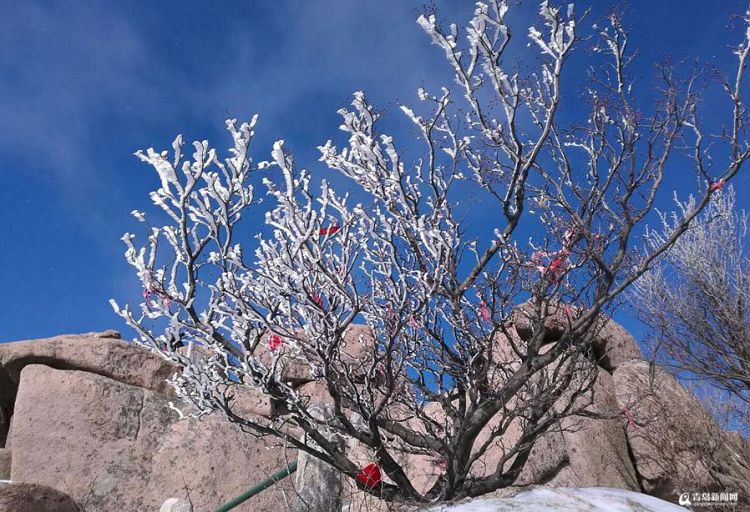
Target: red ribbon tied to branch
484, 312
370, 476
557, 265
274, 342
151, 290
317, 300
330, 230
718, 185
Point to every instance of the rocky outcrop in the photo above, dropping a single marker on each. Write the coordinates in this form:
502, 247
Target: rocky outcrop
249, 402
17, 497
614, 346
5, 420
119, 446
611, 343
581, 451
556, 320
676, 445
100, 353
318, 485
597, 447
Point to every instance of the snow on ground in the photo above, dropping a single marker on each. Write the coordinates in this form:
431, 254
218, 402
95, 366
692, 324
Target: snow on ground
565, 499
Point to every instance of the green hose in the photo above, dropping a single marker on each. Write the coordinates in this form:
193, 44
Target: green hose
262, 486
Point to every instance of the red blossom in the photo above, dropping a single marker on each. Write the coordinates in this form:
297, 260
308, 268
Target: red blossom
274, 342
331, 230
370, 476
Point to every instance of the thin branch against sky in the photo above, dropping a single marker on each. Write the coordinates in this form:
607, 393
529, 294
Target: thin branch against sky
83, 88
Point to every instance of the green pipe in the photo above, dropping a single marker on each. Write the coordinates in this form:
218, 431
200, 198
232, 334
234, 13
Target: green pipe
262, 486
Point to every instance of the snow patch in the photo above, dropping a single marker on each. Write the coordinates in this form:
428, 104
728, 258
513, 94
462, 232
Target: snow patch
564, 499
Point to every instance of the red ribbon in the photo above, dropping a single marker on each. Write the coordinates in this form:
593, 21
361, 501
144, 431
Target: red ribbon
370, 476
718, 185
331, 230
484, 312
274, 342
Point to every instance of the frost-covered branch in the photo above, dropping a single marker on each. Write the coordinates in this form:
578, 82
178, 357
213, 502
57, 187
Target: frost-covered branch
695, 301
400, 301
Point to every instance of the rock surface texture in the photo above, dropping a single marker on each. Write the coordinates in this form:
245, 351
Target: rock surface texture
17, 497
91, 418
597, 448
676, 445
99, 353
5, 461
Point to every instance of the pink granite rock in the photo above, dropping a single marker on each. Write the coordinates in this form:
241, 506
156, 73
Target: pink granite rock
119, 447
614, 346
5, 462
100, 353
676, 445
597, 448
21, 497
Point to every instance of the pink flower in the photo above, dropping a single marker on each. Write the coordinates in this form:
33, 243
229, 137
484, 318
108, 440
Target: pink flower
557, 265
413, 322
537, 256
274, 342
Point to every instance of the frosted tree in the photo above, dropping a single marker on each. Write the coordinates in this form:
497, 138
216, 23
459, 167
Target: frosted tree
442, 374
696, 302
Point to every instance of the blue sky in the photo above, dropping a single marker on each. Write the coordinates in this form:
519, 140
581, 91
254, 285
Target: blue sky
84, 84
